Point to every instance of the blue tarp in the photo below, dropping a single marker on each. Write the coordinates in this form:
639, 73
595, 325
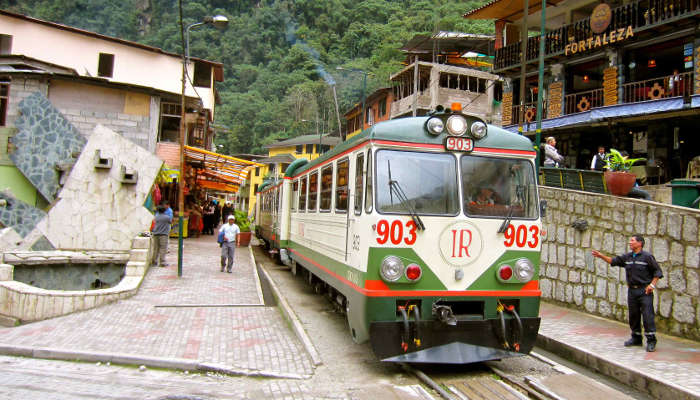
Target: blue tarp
695, 101
601, 113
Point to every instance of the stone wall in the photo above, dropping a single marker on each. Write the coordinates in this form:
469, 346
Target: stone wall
571, 276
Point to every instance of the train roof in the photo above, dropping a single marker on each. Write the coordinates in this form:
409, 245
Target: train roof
412, 130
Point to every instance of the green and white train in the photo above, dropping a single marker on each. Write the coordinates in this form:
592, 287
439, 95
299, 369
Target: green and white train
426, 231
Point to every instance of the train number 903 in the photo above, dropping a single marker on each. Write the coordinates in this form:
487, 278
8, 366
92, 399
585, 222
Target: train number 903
394, 231
521, 236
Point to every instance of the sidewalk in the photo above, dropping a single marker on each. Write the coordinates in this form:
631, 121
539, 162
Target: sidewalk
205, 320
672, 372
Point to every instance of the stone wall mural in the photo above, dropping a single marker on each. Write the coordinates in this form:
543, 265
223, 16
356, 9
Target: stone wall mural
100, 206
44, 140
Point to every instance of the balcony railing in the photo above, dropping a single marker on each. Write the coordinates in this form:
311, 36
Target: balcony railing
643, 13
677, 85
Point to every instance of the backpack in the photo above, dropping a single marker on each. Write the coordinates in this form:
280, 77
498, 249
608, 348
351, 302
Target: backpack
220, 238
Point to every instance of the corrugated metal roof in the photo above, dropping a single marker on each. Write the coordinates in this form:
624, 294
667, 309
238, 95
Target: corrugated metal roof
306, 139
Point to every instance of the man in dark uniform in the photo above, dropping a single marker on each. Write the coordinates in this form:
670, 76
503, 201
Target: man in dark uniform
643, 272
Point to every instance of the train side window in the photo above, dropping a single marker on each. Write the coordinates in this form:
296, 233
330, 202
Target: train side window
295, 195
369, 191
302, 194
326, 188
341, 185
313, 191
359, 166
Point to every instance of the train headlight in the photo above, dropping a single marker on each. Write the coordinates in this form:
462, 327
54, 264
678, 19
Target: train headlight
391, 269
456, 125
435, 126
505, 272
478, 130
413, 272
524, 270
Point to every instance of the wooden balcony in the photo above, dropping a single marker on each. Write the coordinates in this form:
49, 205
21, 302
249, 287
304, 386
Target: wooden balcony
640, 15
678, 85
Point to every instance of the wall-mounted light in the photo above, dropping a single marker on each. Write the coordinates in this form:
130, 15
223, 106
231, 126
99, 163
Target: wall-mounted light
586, 78
632, 64
651, 63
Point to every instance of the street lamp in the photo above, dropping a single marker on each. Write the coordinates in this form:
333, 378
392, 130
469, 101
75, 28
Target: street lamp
364, 87
220, 22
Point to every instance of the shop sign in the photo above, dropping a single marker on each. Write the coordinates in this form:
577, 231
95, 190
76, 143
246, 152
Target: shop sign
599, 41
600, 18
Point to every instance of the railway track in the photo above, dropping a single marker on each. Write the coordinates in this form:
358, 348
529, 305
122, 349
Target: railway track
522, 378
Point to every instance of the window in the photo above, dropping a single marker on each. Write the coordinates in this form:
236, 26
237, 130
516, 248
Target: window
309, 148
427, 180
283, 167
255, 188
5, 44
313, 191
170, 122
326, 188
257, 171
4, 97
382, 107
202, 74
473, 83
359, 165
369, 116
105, 65
341, 185
368, 192
300, 148
302, 195
497, 187
295, 195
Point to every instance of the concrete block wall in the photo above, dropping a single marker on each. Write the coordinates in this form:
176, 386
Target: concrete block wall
571, 276
20, 302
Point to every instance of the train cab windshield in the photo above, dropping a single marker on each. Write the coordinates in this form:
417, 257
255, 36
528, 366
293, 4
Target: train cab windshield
428, 182
498, 187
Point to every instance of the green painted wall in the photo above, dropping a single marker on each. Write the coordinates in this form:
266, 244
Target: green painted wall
21, 188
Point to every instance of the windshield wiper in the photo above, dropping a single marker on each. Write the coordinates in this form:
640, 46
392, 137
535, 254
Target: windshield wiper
521, 197
395, 189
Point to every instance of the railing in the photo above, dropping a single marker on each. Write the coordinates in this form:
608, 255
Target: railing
583, 101
637, 14
634, 92
658, 88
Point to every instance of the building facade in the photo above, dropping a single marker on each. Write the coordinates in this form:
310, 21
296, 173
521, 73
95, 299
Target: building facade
621, 74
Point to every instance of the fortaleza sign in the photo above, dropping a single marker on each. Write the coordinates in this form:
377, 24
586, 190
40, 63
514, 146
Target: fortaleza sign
599, 41
599, 22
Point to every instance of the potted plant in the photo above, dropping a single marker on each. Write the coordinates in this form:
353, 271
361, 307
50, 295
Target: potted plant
618, 179
243, 223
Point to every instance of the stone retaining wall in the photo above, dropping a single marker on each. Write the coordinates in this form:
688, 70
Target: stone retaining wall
21, 303
571, 276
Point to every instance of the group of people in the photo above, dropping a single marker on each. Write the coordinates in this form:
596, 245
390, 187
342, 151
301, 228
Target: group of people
202, 219
552, 158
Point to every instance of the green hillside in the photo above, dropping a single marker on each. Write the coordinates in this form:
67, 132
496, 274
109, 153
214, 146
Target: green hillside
279, 56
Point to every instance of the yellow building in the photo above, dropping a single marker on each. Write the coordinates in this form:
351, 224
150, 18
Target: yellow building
281, 154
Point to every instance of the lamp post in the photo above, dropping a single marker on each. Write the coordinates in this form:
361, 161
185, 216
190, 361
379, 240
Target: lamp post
220, 22
364, 87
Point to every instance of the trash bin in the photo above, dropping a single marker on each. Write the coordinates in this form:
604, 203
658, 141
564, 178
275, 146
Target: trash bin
685, 192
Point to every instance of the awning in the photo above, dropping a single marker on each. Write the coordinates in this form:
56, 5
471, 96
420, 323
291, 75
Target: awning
218, 171
506, 10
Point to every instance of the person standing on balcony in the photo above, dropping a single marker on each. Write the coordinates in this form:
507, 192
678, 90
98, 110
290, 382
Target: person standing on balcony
675, 84
599, 159
642, 272
552, 158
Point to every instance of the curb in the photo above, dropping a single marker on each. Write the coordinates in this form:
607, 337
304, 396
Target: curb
131, 359
290, 316
628, 376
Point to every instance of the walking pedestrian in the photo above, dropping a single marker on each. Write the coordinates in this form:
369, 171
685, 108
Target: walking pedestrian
642, 272
228, 247
161, 231
552, 158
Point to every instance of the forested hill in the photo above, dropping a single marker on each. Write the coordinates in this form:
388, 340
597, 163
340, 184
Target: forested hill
279, 56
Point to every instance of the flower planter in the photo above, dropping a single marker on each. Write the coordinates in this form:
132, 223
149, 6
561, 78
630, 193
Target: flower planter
619, 183
243, 239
